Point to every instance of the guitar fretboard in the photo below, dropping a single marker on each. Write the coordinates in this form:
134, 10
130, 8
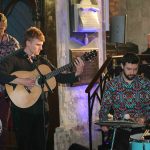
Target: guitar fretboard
61, 69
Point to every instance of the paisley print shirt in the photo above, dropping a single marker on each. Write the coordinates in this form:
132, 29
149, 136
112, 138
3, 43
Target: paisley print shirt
7, 47
125, 98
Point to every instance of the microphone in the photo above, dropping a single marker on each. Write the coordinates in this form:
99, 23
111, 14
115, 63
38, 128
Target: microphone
41, 80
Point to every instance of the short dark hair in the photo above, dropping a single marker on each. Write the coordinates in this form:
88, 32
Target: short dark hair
130, 58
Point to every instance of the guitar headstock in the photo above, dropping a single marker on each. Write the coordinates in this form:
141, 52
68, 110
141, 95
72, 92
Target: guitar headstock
87, 56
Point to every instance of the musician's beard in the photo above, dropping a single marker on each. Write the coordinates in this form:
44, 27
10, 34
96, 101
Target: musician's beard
129, 77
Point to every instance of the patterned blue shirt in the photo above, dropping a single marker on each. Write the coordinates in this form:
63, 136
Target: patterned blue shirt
125, 98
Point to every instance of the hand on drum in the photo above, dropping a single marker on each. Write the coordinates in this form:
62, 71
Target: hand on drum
140, 121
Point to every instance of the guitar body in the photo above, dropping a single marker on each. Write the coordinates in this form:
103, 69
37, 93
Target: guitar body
23, 97
20, 96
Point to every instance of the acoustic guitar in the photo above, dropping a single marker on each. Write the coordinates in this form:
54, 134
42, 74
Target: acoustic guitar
23, 97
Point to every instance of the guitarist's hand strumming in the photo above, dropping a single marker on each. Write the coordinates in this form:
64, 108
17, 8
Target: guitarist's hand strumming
27, 82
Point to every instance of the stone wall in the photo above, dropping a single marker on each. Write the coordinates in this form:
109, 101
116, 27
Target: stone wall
73, 101
138, 23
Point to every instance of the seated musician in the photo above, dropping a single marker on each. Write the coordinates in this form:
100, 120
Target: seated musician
129, 96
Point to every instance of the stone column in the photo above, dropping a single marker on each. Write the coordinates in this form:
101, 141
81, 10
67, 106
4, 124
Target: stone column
73, 101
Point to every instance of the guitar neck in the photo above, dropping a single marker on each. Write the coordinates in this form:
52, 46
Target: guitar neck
61, 69
84, 57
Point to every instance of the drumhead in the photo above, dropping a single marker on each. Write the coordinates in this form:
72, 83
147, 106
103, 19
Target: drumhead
138, 138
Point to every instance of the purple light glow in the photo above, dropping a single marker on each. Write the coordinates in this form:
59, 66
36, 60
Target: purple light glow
79, 41
81, 29
81, 104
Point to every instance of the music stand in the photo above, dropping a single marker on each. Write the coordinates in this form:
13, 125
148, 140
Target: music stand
117, 124
113, 138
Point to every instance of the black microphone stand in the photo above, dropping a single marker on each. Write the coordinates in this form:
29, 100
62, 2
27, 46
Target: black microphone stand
42, 78
42, 81
44, 57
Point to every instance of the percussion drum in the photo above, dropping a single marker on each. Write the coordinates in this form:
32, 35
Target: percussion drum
137, 143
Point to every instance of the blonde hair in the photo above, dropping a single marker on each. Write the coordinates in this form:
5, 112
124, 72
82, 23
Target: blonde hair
3, 19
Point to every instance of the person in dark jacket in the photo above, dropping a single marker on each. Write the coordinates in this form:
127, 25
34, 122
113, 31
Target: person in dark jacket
25, 85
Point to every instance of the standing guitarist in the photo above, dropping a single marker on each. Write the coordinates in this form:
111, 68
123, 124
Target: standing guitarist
29, 116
